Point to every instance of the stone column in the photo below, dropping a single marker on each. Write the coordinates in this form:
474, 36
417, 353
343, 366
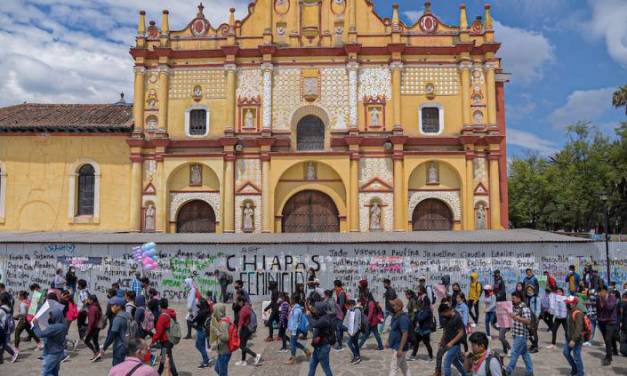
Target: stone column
228, 226
354, 193
468, 221
138, 99
267, 216
162, 222
352, 94
267, 95
164, 72
136, 192
396, 68
491, 93
229, 119
495, 202
400, 207
464, 67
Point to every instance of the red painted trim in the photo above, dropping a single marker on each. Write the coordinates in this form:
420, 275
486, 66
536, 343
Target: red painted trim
188, 155
213, 143
64, 134
313, 154
438, 141
310, 181
434, 190
435, 152
203, 191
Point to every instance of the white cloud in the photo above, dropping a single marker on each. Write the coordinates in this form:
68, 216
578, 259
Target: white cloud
609, 22
525, 53
583, 105
413, 15
76, 51
530, 141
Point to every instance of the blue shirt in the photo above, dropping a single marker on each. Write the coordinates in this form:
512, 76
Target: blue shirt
400, 325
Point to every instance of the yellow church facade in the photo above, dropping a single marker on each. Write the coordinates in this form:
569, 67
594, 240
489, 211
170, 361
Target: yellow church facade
304, 116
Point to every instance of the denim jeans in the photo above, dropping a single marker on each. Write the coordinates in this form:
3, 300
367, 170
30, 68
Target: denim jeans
366, 335
294, 344
201, 345
222, 364
118, 355
454, 357
339, 333
166, 349
573, 356
51, 364
320, 355
490, 318
353, 345
519, 348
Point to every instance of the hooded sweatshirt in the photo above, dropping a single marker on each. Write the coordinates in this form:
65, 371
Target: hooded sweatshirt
474, 290
321, 325
220, 328
118, 332
163, 324
54, 334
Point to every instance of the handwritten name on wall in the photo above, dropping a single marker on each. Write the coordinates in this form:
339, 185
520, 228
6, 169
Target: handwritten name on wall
287, 264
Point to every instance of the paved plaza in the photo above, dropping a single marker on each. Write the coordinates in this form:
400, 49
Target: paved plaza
546, 362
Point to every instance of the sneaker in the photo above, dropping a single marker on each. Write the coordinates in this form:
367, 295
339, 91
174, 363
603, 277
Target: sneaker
412, 359
203, 365
357, 361
66, 359
241, 363
97, 357
283, 350
550, 347
587, 344
338, 349
257, 359
74, 345
290, 361
269, 339
15, 355
473, 325
606, 362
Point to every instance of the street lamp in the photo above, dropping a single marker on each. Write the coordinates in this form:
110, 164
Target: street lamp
603, 197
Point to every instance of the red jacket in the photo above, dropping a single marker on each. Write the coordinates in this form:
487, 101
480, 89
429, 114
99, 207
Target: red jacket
244, 316
372, 314
93, 316
163, 324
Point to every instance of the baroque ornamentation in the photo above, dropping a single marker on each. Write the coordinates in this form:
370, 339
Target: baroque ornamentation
248, 83
387, 211
352, 94
286, 83
415, 79
247, 170
375, 82
177, 199
451, 198
240, 202
335, 95
370, 168
183, 80
480, 170
267, 95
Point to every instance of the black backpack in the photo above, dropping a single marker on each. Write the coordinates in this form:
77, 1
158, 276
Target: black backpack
499, 358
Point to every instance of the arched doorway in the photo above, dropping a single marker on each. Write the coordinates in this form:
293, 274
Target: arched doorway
310, 211
432, 215
310, 133
196, 216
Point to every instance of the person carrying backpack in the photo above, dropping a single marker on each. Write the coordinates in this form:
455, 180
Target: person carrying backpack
294, 327
226, 337
167, 334
284, 311
400, 328
7, 326
480, 361
246, 327
95, 322
322, 338
355, 328
340, 299
424, 323
374, 314
118, 333
54, 341
198, 322
575, 336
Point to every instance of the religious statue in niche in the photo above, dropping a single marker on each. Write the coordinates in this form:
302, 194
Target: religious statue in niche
248, 218
197, 93
151, 123
149, 218
310, 171
375, 117
480, 217
151, 101
249, 119
375, 217
476, 99
430, 90
195, 175
477, 116
433, 173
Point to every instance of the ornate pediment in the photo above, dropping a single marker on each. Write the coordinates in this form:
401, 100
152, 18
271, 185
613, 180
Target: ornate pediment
376, 185
248, 188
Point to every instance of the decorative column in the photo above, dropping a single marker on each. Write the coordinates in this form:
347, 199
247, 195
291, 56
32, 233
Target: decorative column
267, 216
491, 93
229, 193
495, 204
352, 94
354, 192
267, 95
396, 67
468, 221
464, 67
229, 118
163, 215
164, 72
136, 191
138, 99
399, 205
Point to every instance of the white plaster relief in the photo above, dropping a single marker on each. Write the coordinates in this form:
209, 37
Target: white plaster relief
248, 83
247, 170
267, 95
334, 88
239, 202
480, 170
178, 199
370, 168
415, 78
287, 96
352, 94
451, 198
183, 81
387, 211
375, 82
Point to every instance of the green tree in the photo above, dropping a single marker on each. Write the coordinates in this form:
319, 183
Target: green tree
619, 98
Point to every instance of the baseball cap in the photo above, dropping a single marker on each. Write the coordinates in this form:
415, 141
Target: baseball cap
117, 301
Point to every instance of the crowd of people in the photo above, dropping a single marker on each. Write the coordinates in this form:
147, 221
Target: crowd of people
142, 331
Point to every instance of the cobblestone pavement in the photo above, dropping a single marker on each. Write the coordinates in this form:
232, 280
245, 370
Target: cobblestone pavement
546, 362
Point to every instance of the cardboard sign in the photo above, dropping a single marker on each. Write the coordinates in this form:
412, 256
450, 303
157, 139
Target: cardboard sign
503, 314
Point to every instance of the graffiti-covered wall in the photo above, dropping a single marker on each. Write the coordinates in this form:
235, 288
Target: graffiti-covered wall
256, 265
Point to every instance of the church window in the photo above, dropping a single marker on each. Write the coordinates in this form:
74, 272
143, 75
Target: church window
431, 119
86, 190
197, 121
310, 134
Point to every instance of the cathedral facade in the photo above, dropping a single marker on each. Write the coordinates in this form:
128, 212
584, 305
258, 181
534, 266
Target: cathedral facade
304, 116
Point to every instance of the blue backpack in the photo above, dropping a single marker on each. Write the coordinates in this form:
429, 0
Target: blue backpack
303, 324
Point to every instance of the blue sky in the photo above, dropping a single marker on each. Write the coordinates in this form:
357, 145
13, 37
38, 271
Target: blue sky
566, 56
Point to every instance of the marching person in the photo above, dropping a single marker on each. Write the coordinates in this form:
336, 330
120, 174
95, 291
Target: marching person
474, 295
54, 341
220, 330
24, 320
161, 337
320, 323
606, 319
574, 337
479, 361
133, 364
373, 321
425, 323
389, 295
245, 313
198, 322
294, 321
340, 300
450, 343
118, 330
521, 316
489, 301
95, 322
534, 305
398, 339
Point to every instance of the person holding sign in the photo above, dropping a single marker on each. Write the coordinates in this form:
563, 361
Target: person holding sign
53, 335
24, 320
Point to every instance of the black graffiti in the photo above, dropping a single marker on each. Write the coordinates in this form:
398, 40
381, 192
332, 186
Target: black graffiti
256, 283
